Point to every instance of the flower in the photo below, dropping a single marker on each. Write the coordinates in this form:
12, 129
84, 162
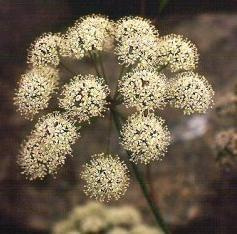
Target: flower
177, 52
146, 137
125, 216
44, 51
118, 230
47, 146
91, 208
89, 34
191, 93
143, 89
136, 40
105, 177
84, 97
141, 229
35, 90
92, 224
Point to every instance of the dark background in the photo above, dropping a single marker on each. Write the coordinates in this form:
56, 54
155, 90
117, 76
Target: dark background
22, 21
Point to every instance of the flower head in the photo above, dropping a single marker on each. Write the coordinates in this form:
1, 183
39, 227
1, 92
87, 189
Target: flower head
90, 33
136, 40
44, 51
35, 90
105, 177
47, 146
140, 229
143, 89
191, 93
70, 44
177, 52
118, 230
125, 216
146, 137
84, 97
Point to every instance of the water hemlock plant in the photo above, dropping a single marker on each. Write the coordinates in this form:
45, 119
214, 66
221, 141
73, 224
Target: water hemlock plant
155, 71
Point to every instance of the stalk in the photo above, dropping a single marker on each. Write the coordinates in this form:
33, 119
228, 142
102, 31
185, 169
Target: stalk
67, 69
102, 66
154, 208
95, 64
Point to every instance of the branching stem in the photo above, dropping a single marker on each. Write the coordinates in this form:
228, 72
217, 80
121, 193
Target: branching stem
67, 69
95, 64
156, 212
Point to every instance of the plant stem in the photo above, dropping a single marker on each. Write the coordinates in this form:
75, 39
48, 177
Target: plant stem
141, 181
120, 75
161, 68
102, 66
95, 65
67, 69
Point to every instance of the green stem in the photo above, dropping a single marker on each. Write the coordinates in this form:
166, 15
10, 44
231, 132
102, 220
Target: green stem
120, 76
67, 69
161, 68
102, 66
94, 63
160, 221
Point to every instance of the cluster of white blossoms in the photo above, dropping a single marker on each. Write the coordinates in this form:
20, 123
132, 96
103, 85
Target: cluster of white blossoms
44, 51
143, 89
105, 177
147, 83
36, 87
87, 35
146, 136
191, 93
177, 52
135, 40
95, 217
84, 97
46, 148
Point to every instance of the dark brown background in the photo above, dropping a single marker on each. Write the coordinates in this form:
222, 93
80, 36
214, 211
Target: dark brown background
195, 195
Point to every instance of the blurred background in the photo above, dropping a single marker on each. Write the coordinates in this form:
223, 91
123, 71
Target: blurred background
196, 183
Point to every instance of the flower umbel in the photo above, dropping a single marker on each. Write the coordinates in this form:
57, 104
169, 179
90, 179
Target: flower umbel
105, 177
47, 146
70, 100
146, 137
84, 97
89, 34
143, 89
44, 51
191, 93
177, 52
35, 90
136, 41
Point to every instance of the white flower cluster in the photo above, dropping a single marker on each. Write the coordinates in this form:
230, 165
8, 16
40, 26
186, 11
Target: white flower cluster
105, 177
146, 137
191, 93
36, 87
97, 218
177, 52
88, 34
136, 39
84, 97
144, 89
47, 146
44, 51
146, 61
